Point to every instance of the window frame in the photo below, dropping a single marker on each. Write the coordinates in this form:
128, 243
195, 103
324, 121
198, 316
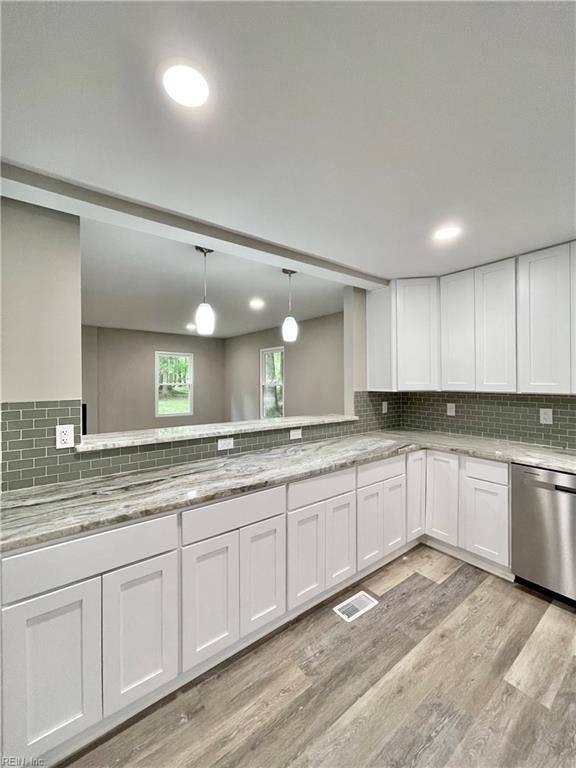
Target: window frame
263, 351
157, 356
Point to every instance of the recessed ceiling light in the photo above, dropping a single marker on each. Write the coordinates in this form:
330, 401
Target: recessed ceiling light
185, 85
257, 303
190, 327
448, 232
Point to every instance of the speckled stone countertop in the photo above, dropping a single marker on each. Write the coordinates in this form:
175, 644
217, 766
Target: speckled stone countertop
31, 517
104, 441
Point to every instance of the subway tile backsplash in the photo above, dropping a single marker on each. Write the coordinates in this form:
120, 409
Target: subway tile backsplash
30, 457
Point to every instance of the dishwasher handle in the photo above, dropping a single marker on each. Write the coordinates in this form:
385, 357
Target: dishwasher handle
565, 489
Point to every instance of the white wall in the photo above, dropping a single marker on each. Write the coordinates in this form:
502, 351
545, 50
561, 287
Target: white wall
41, 305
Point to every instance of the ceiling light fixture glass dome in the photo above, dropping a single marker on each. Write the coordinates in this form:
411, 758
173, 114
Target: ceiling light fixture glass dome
185, 85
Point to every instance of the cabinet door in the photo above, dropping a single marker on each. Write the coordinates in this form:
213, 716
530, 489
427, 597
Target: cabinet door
457, 328
544, 321
485, 519
210, 597
495, 308
340, 539
381, 339
306, 553
262, 573
415, 494
370, 524
139, 629
51, 668
394, 513
418, 332
442, 496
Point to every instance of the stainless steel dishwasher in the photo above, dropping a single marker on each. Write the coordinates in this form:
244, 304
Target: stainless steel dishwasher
544, 528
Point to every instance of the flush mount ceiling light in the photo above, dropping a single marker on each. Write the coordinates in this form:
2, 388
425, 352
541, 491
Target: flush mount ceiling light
449, 232
205, 317
257, 303
289, 326
185, 85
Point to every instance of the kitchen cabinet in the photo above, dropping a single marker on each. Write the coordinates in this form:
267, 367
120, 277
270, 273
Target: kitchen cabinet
457, 321
495, 312
370, 514
484, 519
340, 531
442, 496
415, 494
262, 573
306, 553
210, 597
544, 343
51, 659
381, 372
139, 629
418, 334
394, 500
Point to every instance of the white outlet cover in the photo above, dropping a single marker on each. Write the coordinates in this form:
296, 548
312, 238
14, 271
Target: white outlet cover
450, 409
65, 436
225, 443
546, 416
295, 434
384, 406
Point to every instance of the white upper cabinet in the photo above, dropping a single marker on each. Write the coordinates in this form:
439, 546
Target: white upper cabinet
544, 321
381, 374
495, 309
418, 333
457, 327
573, 311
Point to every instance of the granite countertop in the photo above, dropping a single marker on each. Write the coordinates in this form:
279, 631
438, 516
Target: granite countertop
46, 514
104, 441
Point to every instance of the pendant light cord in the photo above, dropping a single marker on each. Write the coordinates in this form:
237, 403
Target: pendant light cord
204, 278
289, 294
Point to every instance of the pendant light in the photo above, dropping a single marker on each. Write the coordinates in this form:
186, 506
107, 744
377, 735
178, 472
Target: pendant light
289, 326
205, 318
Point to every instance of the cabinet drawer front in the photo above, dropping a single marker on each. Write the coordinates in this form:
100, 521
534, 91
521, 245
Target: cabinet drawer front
484, 469
378, 471
319, 488
224, 516
60, 564
52, 668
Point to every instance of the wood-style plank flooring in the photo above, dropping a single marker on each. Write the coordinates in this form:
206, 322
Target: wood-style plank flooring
454, 667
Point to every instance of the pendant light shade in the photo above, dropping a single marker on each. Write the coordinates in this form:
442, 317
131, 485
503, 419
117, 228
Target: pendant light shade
289, 326
205, 318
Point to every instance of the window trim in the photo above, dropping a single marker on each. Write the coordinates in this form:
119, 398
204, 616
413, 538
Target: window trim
190, 411
263, 350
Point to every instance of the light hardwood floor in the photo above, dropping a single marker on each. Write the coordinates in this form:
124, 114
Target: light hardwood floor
454, 667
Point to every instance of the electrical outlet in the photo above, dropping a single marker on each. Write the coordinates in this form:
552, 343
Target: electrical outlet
384, 406
450, 409
546, 416
65, 436
225, 443
295, 434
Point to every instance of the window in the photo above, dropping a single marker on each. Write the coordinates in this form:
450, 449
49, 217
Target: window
174, 376
271, 382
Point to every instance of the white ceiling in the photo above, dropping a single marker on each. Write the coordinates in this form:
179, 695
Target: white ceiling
135, 280
347, 130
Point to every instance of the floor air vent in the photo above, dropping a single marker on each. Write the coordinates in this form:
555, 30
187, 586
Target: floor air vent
355, 606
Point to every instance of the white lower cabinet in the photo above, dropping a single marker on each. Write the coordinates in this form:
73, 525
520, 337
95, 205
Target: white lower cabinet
484, 519
415, 494
306, 553
51, 658
140, 629
394, 513
210, 597
442, 496
370, 524
262, 573
340, 529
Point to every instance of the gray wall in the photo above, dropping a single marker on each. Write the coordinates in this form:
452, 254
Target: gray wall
41, 304
314, 370
124, 364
